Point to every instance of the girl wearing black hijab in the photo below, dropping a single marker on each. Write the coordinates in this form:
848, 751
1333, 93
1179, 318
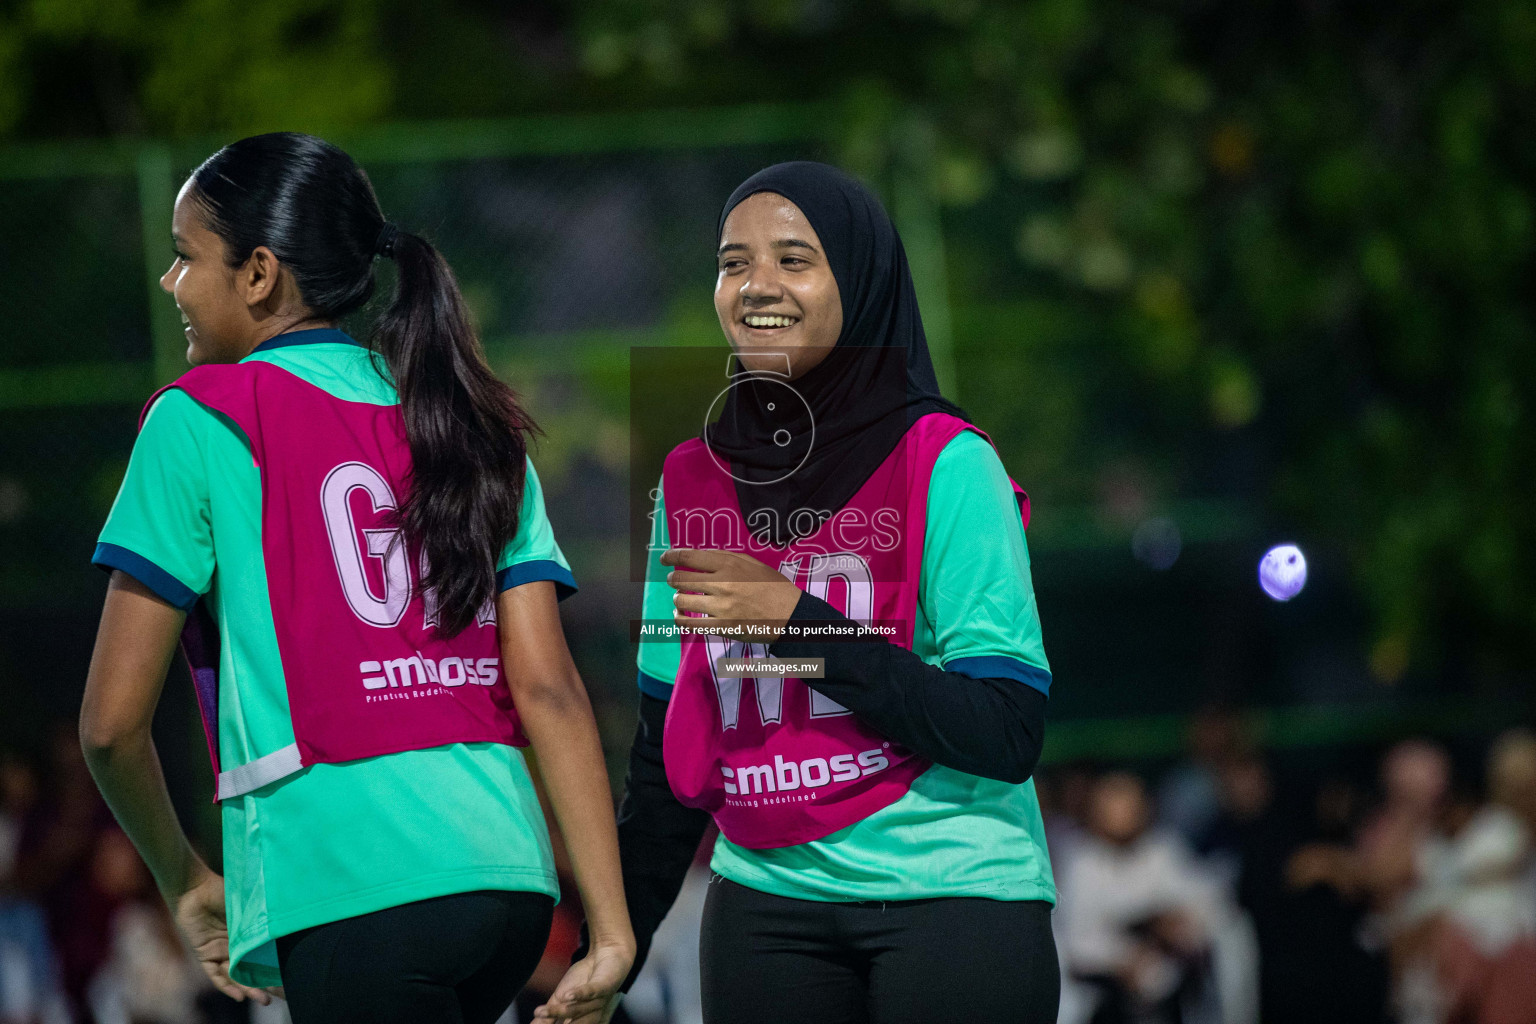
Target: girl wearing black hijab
882, 857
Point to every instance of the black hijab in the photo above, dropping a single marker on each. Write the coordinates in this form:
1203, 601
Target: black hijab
859, 401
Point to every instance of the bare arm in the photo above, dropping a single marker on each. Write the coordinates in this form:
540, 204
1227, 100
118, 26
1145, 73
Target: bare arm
134, 646
557, 716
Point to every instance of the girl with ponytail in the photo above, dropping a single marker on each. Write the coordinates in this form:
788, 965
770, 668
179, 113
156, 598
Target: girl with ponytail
350, 542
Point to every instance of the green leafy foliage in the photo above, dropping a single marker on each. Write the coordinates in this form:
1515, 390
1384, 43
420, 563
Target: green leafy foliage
1299, 233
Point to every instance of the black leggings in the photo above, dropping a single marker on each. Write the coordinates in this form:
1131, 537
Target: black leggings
772, 959
451, 960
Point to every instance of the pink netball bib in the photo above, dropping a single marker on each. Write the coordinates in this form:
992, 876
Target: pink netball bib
774, 761
367, 671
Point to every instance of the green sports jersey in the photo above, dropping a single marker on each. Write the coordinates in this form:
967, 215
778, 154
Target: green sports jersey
333, 840
951, 834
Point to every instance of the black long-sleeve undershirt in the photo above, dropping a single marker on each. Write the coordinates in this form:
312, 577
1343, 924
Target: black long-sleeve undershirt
988, 727
658, 836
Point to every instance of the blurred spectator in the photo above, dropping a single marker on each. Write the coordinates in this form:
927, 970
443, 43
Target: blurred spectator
1472, 914
149, 977
667, 989
18, 795
1064, 794
53, 864
1189, 796
1512, 775
1395, 847
1415, 779
1138, 915
1244, 826
1390, 871
29, 988
1310, 905
29, 982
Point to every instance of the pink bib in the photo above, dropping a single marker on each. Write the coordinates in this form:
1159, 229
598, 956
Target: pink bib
774, 761
367, 672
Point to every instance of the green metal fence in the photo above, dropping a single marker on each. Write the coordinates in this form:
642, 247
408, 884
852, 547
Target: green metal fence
529, 212
156, 169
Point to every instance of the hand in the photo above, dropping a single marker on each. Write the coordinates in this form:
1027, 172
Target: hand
729, 586
199, 914
1139, 967
1147, 974
1180, 932
589, 992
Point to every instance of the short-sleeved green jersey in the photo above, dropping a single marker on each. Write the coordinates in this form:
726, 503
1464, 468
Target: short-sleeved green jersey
331, 841
952, 834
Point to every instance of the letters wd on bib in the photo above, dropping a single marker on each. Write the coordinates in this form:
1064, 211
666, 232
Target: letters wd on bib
784, 765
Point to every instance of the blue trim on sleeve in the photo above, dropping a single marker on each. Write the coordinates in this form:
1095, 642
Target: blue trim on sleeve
653, 687
166, 586
997, 666
534, 570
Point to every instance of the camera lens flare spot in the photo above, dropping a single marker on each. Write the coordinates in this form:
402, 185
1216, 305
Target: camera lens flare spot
793, 425
1283, 572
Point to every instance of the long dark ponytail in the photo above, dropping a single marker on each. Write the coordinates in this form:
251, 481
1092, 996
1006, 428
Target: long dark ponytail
315, 209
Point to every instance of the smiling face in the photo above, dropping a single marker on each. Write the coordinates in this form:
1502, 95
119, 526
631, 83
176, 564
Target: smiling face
776, 296
214, 316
